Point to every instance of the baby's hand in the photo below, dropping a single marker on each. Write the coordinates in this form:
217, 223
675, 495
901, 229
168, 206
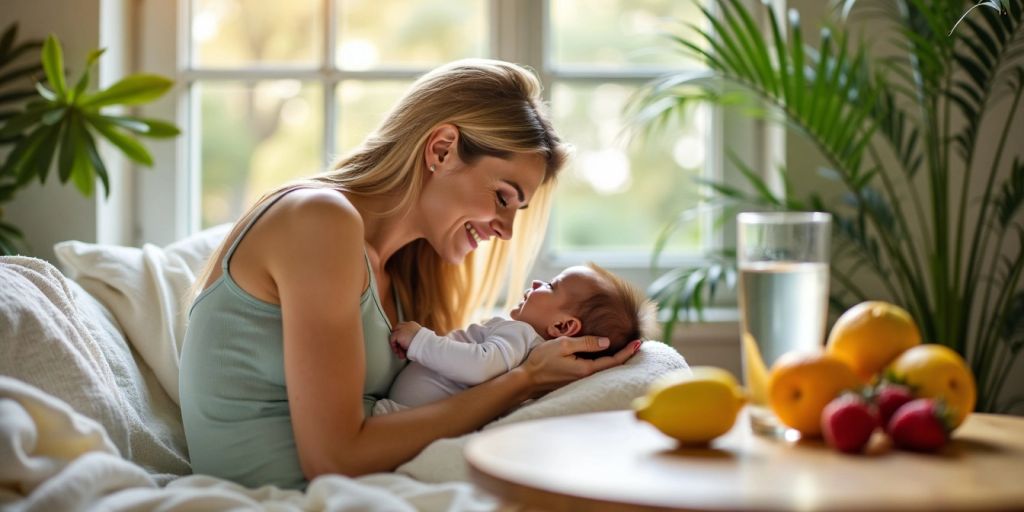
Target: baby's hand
401, 337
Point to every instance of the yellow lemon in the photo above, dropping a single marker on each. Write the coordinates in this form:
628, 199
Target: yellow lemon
801, 384
693, 406
870, 335
937, 371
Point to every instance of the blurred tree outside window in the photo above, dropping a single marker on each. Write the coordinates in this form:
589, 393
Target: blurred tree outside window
279, 90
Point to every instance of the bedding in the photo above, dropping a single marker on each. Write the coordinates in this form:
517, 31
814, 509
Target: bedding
88, 395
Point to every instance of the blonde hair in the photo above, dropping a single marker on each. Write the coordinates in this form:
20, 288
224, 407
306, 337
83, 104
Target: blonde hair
498, 109
619, 311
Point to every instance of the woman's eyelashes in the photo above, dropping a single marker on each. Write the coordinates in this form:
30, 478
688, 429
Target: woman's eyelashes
501, 199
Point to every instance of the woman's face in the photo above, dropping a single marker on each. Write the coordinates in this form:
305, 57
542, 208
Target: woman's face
465, 205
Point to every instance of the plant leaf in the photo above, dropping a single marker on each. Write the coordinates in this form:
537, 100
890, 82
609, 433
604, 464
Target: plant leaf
20, 72
18, 161
18, 51
96, 161
53, 65
46, 93
7, 40
131, 90
1012, 330
126, 143
82, 171
70, 143
83, 82
146, 127
17, 124
44, 154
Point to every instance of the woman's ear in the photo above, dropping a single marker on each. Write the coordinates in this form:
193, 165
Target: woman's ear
441, 147
568, 326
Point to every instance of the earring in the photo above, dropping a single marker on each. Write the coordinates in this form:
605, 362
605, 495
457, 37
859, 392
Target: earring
433, 168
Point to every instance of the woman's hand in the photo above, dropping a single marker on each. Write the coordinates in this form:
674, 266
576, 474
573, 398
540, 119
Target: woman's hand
553, 364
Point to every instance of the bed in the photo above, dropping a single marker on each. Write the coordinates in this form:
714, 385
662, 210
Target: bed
89, 414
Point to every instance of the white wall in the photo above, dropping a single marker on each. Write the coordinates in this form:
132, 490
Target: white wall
50, 213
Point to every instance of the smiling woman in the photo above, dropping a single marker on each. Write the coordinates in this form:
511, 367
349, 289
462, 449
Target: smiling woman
287, 347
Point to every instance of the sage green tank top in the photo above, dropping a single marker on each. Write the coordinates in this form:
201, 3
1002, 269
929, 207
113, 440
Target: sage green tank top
234, 403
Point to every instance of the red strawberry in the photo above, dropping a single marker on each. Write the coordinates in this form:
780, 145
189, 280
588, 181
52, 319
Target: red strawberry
888, 398
920, 425
848, 422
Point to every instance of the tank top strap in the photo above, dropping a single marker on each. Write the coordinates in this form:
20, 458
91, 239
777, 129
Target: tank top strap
369, 270
241, 234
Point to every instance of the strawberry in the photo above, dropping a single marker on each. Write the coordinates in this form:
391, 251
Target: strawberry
920, 425
888, 398
848, 422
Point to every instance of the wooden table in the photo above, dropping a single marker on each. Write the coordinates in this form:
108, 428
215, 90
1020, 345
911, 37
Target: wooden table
611, 461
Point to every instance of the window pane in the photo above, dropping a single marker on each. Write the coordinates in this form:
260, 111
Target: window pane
242, 33
407, 33
620, 34
362, 105
617, 199
254, 137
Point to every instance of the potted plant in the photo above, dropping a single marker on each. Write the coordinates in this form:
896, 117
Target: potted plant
64, 121
900, 133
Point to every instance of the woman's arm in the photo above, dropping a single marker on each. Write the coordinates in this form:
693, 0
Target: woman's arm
387, 441
316, 262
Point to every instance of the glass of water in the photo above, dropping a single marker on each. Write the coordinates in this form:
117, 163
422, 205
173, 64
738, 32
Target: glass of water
783, 263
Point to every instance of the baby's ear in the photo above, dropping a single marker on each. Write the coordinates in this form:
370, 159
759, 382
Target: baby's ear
568, 326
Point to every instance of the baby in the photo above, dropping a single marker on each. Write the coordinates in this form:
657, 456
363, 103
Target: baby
582, 300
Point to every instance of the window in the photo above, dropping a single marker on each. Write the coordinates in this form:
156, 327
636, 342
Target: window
279, 90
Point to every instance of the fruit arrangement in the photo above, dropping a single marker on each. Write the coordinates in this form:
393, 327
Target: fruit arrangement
915, 393
873, 375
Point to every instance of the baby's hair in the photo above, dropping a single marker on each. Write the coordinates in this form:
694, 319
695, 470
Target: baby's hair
619, 311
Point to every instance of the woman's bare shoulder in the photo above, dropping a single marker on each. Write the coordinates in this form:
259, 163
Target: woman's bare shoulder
308, 221
317, 212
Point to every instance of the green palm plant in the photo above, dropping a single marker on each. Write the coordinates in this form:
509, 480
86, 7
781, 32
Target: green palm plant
13, 71
901, 134
64, 122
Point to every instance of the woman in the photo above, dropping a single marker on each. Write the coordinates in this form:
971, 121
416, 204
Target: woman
287, 345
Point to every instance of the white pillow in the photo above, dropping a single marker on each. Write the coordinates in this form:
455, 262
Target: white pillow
146, 290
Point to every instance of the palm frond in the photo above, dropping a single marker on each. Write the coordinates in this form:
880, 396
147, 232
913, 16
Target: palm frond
683, 289
825, 93
1010, 199
984, 48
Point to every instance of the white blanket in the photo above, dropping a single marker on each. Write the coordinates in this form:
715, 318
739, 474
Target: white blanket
56, 459
56, 337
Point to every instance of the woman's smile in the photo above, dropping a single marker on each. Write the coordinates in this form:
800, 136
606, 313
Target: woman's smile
474, 236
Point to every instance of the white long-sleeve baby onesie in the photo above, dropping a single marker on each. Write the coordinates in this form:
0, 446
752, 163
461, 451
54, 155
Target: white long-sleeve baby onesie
444, 365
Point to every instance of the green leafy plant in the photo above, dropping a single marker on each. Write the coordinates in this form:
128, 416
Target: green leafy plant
13, 71
64, 122
900, 129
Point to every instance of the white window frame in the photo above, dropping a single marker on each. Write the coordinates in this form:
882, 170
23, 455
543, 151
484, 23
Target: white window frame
166, 197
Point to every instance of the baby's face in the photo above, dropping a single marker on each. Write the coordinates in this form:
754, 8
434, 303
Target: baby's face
547, 303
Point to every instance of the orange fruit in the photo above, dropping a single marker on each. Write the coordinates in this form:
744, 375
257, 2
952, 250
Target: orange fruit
937, 371
801, 384
870, 335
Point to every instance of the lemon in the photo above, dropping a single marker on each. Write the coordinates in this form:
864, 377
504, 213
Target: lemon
693, 406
